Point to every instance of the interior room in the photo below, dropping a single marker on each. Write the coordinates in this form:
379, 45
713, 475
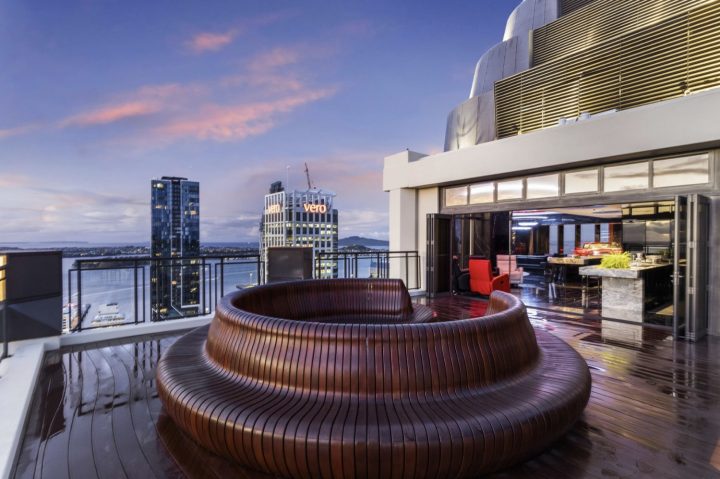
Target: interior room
544, 252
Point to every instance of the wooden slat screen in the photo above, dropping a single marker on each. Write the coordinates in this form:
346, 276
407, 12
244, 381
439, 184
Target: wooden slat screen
568, 6
678, 56
599, 21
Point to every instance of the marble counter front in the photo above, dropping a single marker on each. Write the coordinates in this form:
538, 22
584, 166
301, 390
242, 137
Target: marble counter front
624, 291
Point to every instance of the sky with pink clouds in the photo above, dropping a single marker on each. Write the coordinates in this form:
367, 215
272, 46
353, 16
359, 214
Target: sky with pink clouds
99, 96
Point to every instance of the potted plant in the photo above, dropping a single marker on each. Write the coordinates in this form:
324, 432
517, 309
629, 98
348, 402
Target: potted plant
616, 261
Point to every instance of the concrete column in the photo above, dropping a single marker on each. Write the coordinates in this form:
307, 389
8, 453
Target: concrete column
403, 237
428, 203
407, 209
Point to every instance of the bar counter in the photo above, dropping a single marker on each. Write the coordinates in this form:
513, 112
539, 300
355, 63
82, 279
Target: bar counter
627, 293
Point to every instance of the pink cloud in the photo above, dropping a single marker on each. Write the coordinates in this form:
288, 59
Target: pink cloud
111, 113
146, 100
208, 41
213, 41
240, 121
277, 57
18, 130
271, 71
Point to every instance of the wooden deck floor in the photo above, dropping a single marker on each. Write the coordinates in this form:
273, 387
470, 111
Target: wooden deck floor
654, 410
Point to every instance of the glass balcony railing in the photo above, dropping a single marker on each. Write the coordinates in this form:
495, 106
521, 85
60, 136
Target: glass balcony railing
105, 292
403, 265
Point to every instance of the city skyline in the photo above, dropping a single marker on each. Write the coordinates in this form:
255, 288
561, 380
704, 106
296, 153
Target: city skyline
97, 100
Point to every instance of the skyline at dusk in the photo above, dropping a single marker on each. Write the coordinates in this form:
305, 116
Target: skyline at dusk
98, 98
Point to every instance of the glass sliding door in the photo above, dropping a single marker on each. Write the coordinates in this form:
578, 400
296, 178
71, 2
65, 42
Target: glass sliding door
680, 266
439, 259
697, 267
690, 277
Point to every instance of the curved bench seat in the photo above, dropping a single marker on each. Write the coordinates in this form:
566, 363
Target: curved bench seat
391, 398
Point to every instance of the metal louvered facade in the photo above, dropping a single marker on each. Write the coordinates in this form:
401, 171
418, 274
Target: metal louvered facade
569, 6
678, 56
599, 21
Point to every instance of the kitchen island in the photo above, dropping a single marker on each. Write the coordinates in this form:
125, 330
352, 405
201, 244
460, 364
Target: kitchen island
628, 293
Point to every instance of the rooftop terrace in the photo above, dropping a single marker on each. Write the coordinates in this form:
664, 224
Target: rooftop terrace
653, 410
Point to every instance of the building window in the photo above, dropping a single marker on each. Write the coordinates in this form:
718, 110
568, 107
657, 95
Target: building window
510, 190
585, 181
633, 176
689, 170
546, 186
482, 193
456, 196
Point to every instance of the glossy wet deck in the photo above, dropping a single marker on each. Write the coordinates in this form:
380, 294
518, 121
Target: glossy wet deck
653, 410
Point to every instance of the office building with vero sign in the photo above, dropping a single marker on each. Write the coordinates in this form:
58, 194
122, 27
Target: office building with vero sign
304, 218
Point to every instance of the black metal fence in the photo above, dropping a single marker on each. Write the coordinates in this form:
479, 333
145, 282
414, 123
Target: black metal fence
403, 265
113, 291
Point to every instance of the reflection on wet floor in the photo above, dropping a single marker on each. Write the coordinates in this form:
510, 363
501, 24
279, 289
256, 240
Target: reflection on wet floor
653, 410
572, 299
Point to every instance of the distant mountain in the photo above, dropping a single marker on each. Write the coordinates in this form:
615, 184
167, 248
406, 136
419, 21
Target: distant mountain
360, 241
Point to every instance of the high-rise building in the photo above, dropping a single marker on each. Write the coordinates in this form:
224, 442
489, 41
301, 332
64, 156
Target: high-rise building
301, 218
175, 214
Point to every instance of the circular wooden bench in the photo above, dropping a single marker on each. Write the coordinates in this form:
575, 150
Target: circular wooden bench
344, 378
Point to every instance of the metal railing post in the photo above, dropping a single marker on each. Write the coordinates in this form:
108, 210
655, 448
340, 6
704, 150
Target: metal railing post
407, 269
259, 281
204, 286
417, 270
4, 330
3, 305
135, 283
79, 286
143, 293
222, 279
69, 293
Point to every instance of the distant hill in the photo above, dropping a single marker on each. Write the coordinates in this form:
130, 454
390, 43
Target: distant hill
360, 241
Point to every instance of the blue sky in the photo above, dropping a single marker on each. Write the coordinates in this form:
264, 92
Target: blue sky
98, 97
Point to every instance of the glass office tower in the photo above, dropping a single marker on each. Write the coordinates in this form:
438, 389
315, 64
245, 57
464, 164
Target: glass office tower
302, 218
175, 214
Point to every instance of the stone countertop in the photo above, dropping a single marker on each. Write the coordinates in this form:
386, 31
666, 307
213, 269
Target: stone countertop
633, 272
579, 261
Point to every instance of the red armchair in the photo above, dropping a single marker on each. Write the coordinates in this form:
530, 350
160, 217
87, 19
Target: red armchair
482, 280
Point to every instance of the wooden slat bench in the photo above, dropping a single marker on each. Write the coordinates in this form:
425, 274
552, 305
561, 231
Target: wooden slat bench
344, 378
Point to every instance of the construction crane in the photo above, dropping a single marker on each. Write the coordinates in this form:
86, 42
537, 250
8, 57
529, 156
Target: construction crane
307, 175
